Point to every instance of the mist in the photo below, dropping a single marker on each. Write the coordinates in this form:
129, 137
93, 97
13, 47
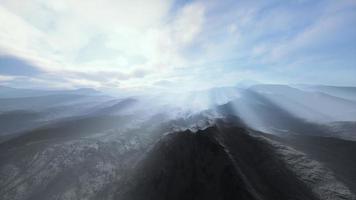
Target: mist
177, 100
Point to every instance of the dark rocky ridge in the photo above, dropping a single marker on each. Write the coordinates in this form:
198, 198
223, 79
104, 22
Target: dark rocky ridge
336, 154
222, 163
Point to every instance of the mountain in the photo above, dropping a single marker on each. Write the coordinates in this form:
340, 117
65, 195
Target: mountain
264, 142
216, 163
311, 106
345, 92
151, 162
15, 121
9, 92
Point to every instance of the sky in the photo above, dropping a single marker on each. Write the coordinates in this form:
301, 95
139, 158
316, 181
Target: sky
169, 45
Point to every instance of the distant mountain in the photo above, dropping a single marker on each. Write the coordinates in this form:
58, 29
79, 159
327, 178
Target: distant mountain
337, 91
114, 107
313, 106
8, 92
38, 102
260, 113
19, 120
27, 109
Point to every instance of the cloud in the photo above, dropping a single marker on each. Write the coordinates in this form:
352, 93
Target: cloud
128, 38
137, 44
271, 39
326, 31
74, 25
6, 78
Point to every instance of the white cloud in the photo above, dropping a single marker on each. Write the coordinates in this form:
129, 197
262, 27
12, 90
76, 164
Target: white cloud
324, 30
6, 78
188, 23
128, 38
137, 43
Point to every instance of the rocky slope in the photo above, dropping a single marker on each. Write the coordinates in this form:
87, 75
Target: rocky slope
229, 163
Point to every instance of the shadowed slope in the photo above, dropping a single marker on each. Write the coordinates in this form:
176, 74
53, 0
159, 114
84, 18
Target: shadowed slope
213, 164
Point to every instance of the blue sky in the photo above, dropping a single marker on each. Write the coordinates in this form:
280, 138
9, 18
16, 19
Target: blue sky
163, 44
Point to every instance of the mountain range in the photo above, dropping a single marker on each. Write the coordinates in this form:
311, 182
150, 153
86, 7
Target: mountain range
262, 142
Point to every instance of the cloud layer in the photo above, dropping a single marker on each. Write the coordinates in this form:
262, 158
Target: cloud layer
190, 44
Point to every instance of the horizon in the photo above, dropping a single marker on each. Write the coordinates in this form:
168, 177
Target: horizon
165, 93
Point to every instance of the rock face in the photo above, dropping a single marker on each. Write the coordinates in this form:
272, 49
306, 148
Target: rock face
224, 161
228, 163
72, 170
45, 164
187, 165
